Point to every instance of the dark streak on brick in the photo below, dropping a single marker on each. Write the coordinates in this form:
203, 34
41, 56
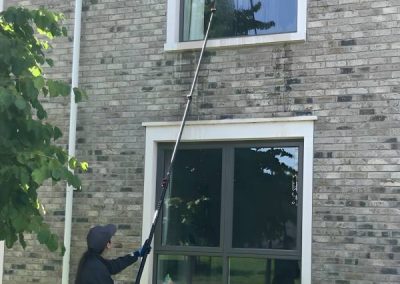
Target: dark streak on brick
346, 70
318, 155
367, 111
300, 113
126, 189
378, 118
348, 42
59, 213
147, 89
102, 158
344, 98
206, 105
128, 153
212, 85
344, 128
124, 227
293, 81
386, 270
226, 116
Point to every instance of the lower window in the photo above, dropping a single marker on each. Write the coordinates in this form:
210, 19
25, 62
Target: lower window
232, 214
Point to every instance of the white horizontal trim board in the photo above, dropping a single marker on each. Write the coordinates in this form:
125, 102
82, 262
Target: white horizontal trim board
173, 21
232, 130
1, 260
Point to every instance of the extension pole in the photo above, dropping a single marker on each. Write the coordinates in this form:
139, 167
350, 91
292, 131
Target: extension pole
165, 182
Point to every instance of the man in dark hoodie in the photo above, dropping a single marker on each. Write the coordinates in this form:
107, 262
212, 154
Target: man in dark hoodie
93, 268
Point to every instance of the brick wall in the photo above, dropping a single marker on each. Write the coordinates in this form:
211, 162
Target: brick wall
346, 73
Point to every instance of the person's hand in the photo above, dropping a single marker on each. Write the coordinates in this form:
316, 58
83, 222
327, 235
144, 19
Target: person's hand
145, 249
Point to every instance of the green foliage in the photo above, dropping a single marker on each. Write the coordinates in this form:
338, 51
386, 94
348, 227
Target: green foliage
28, 156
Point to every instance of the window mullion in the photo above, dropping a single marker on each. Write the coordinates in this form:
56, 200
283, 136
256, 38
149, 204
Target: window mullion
227, 207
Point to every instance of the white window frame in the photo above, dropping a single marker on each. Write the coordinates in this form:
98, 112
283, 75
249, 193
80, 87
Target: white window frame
232, 130
173, 22
1, 260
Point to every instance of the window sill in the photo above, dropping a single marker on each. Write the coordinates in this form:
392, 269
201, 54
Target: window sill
236, 41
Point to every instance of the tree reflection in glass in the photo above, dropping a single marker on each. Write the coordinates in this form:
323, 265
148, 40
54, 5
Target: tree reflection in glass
191, 214
238, 18
265, 198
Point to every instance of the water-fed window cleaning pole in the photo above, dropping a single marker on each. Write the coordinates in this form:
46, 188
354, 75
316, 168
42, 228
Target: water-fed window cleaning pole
165, 181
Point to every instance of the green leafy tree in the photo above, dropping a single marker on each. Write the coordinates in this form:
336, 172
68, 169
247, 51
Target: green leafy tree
28, 154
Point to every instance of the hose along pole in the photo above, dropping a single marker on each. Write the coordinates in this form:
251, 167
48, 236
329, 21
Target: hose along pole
165, 181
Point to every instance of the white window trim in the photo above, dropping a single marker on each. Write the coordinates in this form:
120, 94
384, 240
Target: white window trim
173, 44
1, 260
232, 130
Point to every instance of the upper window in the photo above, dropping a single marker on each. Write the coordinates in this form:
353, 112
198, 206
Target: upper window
236, 22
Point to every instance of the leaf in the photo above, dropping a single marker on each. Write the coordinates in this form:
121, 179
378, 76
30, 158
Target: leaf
84, 166
52, 242
50, 62
57, 173
43, 235
57, 133
41, 113
62, 249
22, 240
39, 175
6, 99
61, 156
24, 177
35, 71
38, 82
72, 163
73, 180
20, 103
19, 221
79, 95
57, 88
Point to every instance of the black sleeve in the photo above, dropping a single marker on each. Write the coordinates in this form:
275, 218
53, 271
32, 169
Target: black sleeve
102, 276
115, 266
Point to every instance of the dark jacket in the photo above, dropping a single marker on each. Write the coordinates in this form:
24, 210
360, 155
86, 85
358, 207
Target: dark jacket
94, 269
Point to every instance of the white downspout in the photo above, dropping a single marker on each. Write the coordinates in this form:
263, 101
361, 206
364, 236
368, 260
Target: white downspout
72, 139
1, 242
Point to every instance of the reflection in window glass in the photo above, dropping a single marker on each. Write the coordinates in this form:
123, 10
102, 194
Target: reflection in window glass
179, 269
263, 271
238, 18
265, 198
191, 214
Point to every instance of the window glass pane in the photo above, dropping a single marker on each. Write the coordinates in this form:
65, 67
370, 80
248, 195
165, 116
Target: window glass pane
265, 198
178, 269
191, 215
238, 18
264, 271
